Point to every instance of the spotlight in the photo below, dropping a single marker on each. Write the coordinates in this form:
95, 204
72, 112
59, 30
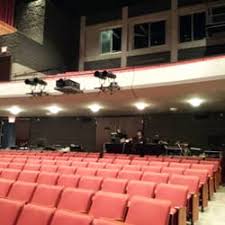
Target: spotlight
140, 105
195, 102
15, 110
105, 74
54, 109
95, 107
67, 86
40, 82
30, 82
35, 81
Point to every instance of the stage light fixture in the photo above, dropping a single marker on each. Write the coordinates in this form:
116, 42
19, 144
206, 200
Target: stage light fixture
104, 75
195, 102
67, 86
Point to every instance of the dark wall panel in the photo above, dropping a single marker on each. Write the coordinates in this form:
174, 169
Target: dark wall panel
148, 59
189, 2
149, 7
103, 64
64, 131
197, 130
104, 16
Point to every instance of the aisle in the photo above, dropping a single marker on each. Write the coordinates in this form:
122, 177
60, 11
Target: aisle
215, 213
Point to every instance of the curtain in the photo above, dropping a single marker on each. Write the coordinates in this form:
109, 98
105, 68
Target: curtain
7, 11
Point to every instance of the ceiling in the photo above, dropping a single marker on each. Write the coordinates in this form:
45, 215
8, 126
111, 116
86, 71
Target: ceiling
160, 100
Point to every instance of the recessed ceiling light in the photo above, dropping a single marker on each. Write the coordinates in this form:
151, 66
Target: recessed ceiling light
95, 107
195, 102
140, 105
15, 110
54, 109
173, 109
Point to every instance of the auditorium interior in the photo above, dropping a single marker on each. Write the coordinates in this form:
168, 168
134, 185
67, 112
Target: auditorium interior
112, 112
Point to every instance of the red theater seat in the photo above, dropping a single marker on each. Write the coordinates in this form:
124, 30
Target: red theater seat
132, 167
96, 165
86, 171
10, 211
63, 163
16, 166
107, 173
48, 162
62, 217
46, 195
105, 160
141, 188
130, 175
32, 167
140, 162
3, 165
143, 211
5, 186
109, 205
114, 166
77, 200
68, 180
35, 215
156, 177
155, 169
172, 170
156, 163
49, 168
177, 194
78, 164
28, 176
47, 178
122, 161
66, 170
180, 165
22, 191
11, 174
90, 159
114, 185
90, 182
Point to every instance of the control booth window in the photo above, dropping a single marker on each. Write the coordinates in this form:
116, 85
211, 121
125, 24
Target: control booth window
111, 40
192, 27
149, 34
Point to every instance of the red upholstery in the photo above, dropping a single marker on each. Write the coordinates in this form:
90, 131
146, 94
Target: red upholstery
28, 176
155, 169
192, 182
17, 166
67, 218
122, 161
202, 174
114, 166
172, 170
33, 167
47, 178
35, 215
140, 162
78, 164
208, 167
63, 163
109, 205
49, 168
107, 173
77, 200
141, 188
68, 180
180, 165
132, 167
11, 174
48, 162
22, 191
3, 165
156, 163
190, 161
66, 170
5, 186
90, 159
155, 177
10, 211
177, 194
130, 175
86, 171
46, 195
91, 183
114, 185
144, 211
105, 160
96, 165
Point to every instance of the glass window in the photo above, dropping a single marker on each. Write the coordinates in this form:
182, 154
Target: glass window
111, 40
149, 34
192, 27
